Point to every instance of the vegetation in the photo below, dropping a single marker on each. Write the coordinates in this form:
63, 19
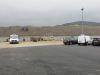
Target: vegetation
60, 30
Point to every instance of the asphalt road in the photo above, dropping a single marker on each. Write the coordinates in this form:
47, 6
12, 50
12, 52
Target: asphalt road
50, 60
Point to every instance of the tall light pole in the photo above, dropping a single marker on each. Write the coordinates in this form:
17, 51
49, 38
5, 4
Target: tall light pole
82, 9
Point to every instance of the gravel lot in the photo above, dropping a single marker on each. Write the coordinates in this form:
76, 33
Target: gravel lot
50, 60
29, 44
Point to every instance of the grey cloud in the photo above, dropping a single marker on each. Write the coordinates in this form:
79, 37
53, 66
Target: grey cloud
47, 12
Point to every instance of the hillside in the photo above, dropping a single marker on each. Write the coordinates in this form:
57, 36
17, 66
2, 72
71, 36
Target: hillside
80, 23
49, 31
74, 28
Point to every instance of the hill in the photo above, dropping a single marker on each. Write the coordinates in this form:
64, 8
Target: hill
80, 23
49, 31
73, 28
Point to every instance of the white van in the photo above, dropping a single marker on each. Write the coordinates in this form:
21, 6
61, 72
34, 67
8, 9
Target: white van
84, 40
14, 39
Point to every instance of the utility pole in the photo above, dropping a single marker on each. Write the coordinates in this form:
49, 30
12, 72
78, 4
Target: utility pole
82, 9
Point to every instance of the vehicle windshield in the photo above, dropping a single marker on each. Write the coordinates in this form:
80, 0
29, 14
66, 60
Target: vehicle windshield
71, 38
14, 37
96, 39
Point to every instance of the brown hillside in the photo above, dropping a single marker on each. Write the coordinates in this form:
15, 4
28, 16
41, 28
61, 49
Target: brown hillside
56, 31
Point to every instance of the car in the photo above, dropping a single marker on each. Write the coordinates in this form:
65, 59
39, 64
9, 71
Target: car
14, 39
70, 41
96, 42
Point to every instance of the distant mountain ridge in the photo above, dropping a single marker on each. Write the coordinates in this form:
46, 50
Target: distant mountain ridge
80, 23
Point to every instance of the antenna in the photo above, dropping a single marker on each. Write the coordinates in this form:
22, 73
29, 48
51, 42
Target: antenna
82, 9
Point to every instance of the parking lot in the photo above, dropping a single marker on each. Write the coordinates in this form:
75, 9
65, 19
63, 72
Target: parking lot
50, 60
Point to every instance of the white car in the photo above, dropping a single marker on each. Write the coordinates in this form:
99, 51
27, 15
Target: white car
14, 39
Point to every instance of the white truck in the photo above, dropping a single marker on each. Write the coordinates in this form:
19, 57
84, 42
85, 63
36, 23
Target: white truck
14, 39
84, 40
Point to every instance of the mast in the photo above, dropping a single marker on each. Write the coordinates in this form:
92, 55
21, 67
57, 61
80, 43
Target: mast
82, 32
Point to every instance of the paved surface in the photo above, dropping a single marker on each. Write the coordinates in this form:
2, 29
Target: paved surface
50, 60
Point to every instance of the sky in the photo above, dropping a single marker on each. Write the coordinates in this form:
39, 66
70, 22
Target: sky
47, 12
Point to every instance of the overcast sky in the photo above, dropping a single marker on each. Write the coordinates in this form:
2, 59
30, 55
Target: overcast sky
47, 12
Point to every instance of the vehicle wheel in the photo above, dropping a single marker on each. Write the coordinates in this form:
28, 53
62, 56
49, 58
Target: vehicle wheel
93, 44
65, 44
10, 43
70, 43
17, 42
86, 43
79, 44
